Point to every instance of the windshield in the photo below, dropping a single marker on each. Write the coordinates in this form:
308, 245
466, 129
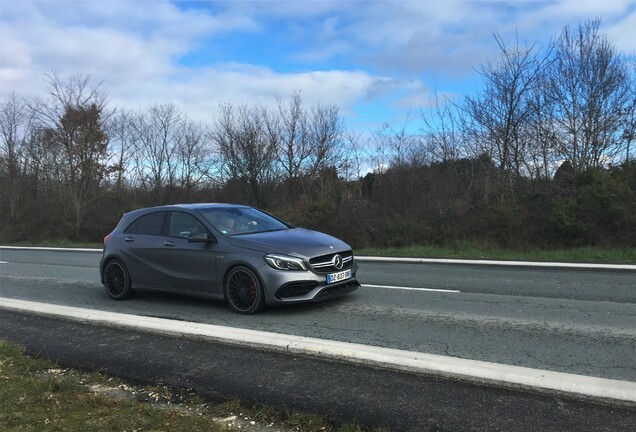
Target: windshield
243, 220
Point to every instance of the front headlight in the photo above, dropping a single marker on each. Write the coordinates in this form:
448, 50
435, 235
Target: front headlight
284, 262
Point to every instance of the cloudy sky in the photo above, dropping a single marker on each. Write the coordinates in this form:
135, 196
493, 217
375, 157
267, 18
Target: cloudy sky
377, 60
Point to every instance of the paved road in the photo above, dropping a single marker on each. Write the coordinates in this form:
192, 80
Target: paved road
576, 321
342, 392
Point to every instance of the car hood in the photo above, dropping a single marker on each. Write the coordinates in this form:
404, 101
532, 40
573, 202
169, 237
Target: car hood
299, 242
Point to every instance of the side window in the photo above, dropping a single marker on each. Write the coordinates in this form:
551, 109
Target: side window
149, 224
184, 225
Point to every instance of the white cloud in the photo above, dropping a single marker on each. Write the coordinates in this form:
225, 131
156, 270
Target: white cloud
623, 33
568, 9
133, 47
199, 92
124, 44
343, 52
449, 37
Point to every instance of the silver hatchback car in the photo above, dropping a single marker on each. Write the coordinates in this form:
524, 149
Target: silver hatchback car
223, 251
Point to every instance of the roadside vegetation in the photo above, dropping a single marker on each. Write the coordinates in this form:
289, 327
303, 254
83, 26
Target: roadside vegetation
469, 251
39, 396
541, 157
463, 250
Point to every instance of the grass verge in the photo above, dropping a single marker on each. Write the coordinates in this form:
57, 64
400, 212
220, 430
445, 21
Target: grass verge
469, 251
39, 396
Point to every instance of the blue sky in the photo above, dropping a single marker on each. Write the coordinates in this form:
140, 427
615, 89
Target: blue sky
376, 60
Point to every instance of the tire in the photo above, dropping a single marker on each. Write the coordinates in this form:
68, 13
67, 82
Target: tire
244, 291
117, 280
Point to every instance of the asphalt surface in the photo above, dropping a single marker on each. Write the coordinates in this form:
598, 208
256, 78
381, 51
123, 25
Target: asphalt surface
574, 321
341, 392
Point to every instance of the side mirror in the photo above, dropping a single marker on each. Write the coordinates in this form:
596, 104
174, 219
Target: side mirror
201, 238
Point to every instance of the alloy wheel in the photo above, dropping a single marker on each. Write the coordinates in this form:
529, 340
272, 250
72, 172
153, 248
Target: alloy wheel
243, 291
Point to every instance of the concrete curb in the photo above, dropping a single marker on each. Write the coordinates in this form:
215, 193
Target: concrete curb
450, 367
406, 260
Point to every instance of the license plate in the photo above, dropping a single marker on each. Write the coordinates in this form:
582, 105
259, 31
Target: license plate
337, 277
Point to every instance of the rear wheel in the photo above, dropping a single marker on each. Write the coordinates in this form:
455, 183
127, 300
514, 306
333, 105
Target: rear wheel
243, 291
117, 280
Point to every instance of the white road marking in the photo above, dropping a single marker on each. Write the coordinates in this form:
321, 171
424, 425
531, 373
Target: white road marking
4, 262
411, 288
53, 249
531, 264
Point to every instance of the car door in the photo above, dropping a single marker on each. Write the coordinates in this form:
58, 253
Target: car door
141, 246
188, 266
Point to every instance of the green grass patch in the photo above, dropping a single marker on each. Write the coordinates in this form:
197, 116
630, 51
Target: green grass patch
470, 251
36, 395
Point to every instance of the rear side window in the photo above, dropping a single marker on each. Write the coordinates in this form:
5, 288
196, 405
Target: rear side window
149, 224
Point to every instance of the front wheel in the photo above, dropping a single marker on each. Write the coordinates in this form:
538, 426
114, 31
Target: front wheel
243, 291
117, 280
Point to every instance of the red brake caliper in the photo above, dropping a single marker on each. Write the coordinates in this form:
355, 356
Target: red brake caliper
253, 290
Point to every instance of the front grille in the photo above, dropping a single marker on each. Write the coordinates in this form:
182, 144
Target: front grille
325, 263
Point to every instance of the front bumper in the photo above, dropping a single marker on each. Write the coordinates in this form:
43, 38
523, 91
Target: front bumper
308, 286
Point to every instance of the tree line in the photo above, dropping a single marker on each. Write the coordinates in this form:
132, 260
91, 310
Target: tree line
540, 156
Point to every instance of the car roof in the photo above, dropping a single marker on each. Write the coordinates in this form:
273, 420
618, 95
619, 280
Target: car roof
209, 205
192, 206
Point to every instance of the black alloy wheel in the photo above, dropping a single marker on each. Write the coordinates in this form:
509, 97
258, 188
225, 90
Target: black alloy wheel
243, 291
117, 280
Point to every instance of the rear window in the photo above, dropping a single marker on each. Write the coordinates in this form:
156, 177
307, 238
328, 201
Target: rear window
148, 224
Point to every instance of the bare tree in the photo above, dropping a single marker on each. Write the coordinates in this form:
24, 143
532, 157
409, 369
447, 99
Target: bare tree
542, 158
158, 134
629, 116
442, 131
246, 150
15, 128
498, 116
589, 86
194, 158
327, 150
72, 120
122, 134
356, 149
289, 133
399, 154
398, 143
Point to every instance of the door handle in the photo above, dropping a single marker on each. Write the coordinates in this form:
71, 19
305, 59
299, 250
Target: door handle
168, 243
129, 239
